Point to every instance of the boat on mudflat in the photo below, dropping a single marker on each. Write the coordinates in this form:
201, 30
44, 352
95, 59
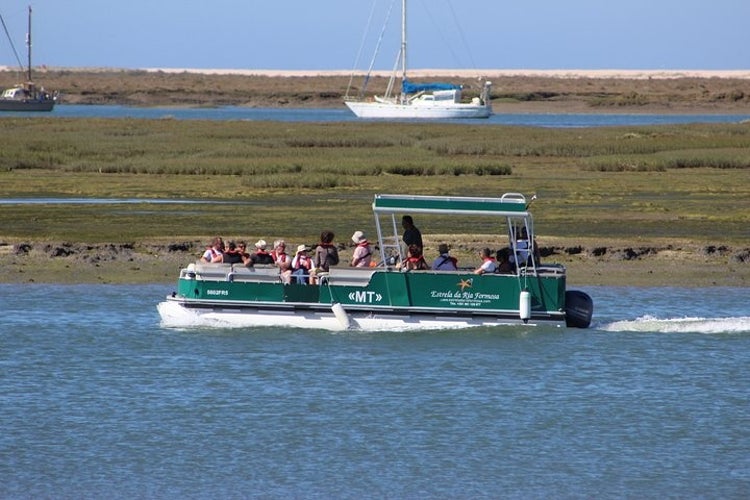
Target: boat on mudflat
387, 297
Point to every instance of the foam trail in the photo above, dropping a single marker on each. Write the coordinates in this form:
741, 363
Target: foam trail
678, 325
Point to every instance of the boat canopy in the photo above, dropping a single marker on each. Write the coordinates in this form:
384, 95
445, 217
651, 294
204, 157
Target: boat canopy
509, 205
408, 87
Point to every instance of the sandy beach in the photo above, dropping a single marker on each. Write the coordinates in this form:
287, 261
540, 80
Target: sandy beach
627, 74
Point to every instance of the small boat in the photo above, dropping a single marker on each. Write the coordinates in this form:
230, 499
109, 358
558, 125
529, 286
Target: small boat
388, 297
419, 100
26, 96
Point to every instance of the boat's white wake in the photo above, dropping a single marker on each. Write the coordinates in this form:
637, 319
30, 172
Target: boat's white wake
679, 325
173, 315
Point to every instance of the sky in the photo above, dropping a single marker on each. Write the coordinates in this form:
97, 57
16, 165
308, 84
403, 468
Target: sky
332, 34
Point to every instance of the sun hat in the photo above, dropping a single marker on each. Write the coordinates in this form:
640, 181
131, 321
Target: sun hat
261, 244
358, 237
302, 248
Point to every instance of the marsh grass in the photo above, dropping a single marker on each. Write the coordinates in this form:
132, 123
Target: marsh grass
660, 161
292, 179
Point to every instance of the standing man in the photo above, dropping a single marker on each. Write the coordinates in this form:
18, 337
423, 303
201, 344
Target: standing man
412, 236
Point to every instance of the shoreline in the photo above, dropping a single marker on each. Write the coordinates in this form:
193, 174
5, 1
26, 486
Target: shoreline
607, 264
513, 90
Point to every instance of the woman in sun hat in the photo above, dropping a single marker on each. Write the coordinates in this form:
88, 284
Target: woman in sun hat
301, 264
362, 255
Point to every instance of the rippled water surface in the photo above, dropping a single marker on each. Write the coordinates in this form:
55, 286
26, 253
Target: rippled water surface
98, 400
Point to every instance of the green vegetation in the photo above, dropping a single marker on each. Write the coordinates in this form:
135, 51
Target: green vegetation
293, 179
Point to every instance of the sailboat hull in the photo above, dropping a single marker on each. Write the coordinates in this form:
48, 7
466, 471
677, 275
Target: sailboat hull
13, 105
419, 110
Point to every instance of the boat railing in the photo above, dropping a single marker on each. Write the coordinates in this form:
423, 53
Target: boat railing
513, 197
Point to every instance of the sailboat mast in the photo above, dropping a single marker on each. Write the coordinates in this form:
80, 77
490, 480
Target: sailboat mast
28, 45
403, 40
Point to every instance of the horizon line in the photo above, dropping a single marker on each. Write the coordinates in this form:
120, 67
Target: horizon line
572, 73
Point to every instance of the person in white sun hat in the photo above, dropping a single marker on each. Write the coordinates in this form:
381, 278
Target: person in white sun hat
362, 256
301, 264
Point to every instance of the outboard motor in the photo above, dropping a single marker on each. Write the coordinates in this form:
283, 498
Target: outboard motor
579, 308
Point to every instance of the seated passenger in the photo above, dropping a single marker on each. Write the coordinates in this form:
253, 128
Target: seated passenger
503, 264
488, 262
326, 255
301, 264
282, 260
242, 249
261, 256
215, 251
444, 261
232, 254
414, 259
362, 255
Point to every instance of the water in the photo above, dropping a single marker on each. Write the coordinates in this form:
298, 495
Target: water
344, 115
99, 401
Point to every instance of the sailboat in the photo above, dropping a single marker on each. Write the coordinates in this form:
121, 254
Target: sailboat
417, 100
26, 96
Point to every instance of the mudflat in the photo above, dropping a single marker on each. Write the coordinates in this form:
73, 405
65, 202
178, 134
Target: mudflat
513, 90
678, 265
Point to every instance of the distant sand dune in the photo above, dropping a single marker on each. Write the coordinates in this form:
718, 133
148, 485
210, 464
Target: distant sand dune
490, 73
632, 74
